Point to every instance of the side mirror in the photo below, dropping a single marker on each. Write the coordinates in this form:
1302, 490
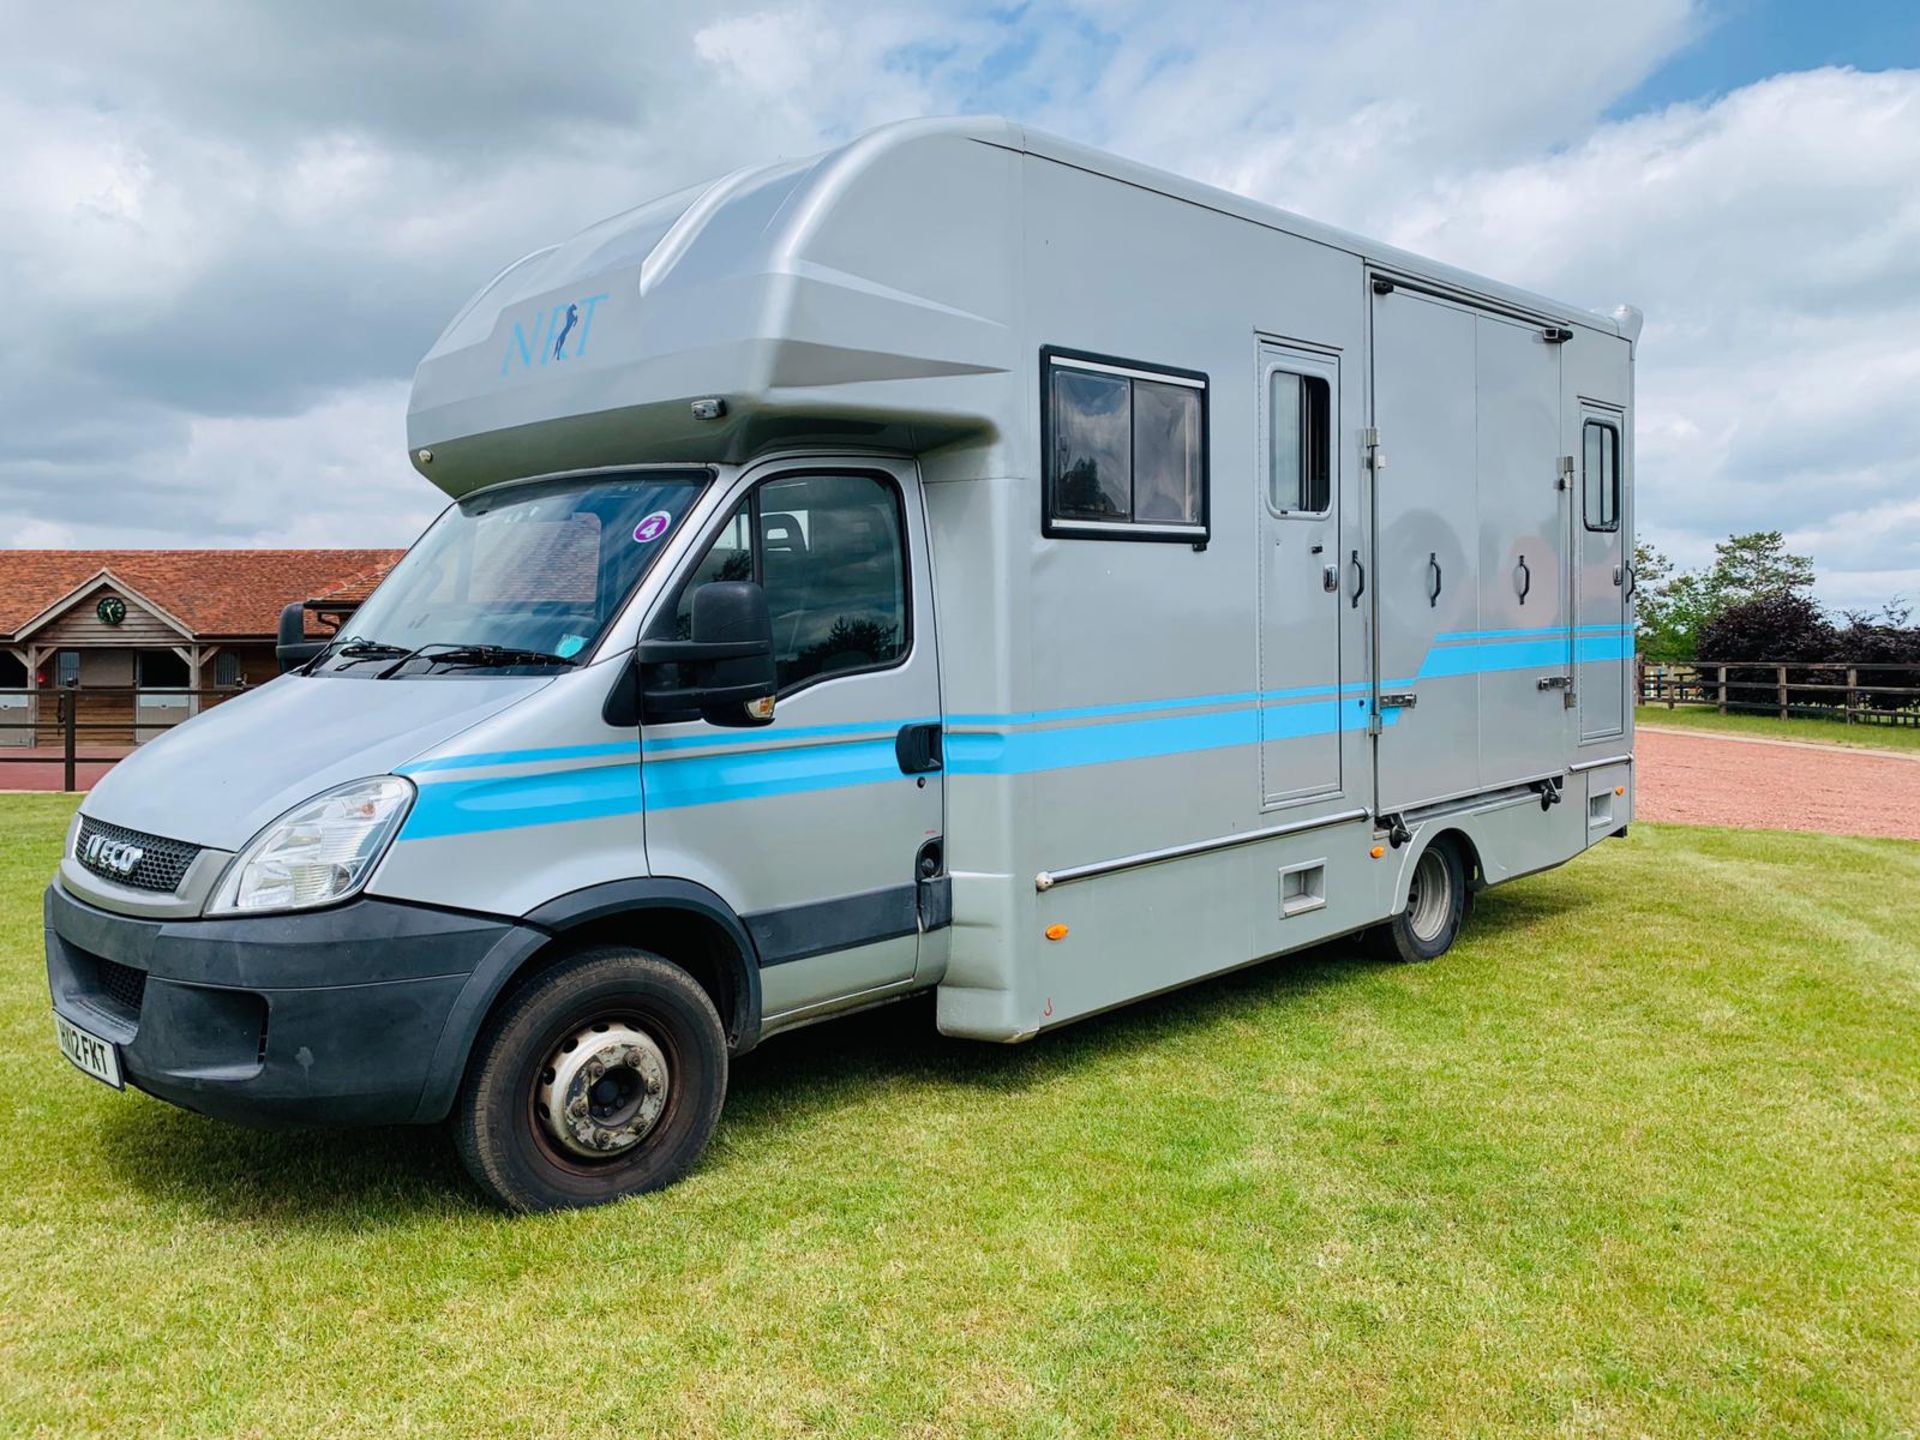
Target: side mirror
294, 648
726, 667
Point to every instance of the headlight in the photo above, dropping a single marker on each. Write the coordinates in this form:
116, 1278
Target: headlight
318, 852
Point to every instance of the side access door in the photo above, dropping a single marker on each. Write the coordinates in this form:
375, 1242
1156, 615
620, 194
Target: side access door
1424, 580
1598, 380
1303, 707
1471, 533
823, 829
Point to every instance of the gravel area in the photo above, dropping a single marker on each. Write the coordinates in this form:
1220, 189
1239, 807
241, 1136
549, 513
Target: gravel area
1774, 785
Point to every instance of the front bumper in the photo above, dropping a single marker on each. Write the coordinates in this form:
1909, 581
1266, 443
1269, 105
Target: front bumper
362, 1014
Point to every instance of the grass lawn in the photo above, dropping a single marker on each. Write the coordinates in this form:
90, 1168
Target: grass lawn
1640, 1157
1772, 727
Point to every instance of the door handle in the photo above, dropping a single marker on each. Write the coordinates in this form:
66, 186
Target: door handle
918, 749
1525, 578
1433, 596
1360, 579
1633, 583
1330, 578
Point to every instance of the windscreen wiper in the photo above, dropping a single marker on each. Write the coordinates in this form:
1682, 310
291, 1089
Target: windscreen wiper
478, 657
356, 650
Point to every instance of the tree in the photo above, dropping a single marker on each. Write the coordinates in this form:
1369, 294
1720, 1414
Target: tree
1674, 609
1780, 626
1747, 567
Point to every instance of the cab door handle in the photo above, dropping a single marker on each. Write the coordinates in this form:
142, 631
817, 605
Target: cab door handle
918, 749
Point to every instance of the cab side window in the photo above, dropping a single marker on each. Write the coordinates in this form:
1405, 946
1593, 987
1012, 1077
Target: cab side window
831, 551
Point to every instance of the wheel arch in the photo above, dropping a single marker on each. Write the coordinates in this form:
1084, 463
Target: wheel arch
1460, 840
678, 920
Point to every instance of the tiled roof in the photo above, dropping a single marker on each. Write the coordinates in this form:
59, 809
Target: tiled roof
211, 592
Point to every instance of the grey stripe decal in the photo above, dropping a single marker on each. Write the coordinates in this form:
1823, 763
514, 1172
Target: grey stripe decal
799, 932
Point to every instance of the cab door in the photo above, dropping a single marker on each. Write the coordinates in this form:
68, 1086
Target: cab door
822, 830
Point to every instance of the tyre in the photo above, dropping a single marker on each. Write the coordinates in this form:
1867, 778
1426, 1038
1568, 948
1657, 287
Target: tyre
601, 1077
1435, 910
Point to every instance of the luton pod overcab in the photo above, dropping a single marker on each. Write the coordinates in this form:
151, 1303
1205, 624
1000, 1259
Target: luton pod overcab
961, 561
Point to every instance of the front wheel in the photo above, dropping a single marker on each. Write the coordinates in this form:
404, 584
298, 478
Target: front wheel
601, 1077
1435, 910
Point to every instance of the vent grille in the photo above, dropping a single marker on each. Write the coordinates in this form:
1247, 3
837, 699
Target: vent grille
122, 985
162, 864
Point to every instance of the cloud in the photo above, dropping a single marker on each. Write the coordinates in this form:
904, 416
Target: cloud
1773, 239
231, 230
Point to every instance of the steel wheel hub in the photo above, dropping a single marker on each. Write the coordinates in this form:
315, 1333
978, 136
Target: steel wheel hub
1428, 900
603, 1089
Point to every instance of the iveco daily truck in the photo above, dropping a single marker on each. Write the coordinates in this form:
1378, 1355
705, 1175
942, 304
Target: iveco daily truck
961, 561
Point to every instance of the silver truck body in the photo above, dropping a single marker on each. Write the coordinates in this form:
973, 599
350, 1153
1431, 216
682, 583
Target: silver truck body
1159, 761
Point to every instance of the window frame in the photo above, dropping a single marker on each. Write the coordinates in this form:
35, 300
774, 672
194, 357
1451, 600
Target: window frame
1055, 527
1277, 357
1596, 422
238, 667
750, 497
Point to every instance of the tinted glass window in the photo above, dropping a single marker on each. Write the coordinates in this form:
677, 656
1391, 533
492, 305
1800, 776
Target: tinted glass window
1166, 453
1091, 446
831, 552
1299, 427
1601, 474
1125, 447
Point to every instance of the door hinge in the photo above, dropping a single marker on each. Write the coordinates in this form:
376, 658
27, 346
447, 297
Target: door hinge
1374, 727
1376, 457
1565, 482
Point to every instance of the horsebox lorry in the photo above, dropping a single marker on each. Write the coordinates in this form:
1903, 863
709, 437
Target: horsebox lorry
961, 561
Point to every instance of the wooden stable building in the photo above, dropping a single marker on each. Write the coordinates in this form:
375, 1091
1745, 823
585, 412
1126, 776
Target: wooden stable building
144, 638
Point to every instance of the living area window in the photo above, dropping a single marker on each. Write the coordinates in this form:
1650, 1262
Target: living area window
1124, 447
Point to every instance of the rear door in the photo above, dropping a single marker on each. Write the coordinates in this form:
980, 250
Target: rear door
813, 828
1302, 705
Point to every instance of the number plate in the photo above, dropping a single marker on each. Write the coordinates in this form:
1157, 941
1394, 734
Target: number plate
99, 1058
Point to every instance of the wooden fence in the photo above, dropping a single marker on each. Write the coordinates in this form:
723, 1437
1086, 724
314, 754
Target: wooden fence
1856, 692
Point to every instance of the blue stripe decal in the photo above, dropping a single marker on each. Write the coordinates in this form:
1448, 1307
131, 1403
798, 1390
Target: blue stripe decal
709, 741
508, 802
863, 754
517, 757
707, 779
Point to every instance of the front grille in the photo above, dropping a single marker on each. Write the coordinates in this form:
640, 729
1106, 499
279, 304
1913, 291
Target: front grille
121, 984
162, 864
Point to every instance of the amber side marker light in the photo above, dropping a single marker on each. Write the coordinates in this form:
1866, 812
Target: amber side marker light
1619, 789
1056, 932
1377, 851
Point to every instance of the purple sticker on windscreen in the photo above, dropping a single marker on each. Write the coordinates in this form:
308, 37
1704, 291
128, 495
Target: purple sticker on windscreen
653, 527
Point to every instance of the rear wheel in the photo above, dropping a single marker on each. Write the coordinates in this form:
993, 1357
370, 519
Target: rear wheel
602, 1077
1436, 907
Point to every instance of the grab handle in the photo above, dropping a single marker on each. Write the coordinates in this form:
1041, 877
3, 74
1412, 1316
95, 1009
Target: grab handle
1433, 596
1526, 579
1360, 579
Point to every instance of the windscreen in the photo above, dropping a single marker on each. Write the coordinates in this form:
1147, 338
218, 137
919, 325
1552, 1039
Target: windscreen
540, 569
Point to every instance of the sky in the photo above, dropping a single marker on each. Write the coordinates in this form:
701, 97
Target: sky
228, 231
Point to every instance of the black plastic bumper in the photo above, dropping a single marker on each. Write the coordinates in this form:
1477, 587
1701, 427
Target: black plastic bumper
362, 1014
